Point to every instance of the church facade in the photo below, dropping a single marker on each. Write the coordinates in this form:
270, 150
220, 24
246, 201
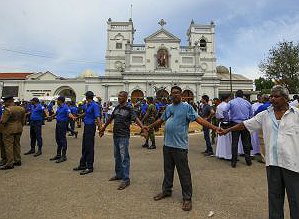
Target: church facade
148, 69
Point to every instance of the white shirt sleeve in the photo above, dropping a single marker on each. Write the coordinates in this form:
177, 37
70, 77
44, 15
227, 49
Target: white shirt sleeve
256, 122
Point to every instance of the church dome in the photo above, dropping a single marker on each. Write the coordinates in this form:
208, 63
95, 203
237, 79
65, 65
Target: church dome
222, 69
88, 74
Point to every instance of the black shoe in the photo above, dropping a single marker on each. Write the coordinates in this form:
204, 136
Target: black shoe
37, 154
204, 152
248, 162
29, 152
210, 153
60, 160
55, 158
234, 164
123, 185
145, 145
79, 168
161, 196
2, 163
114, 178
6, 167
18, 163
86, 171
152, 147
76, 134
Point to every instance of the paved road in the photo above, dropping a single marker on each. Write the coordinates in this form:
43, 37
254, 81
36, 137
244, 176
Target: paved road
43, 189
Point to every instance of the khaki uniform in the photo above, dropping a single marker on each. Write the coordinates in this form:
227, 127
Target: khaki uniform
13, 120
2, 149
149, 118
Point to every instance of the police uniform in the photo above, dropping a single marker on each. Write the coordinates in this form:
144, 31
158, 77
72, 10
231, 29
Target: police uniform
2, 149
92, 112
62, 114
13, 120
36, 121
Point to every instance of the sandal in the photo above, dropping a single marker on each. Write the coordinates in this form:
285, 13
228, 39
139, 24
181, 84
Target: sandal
187, 205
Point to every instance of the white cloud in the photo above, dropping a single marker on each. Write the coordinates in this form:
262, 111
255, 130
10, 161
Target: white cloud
70, 30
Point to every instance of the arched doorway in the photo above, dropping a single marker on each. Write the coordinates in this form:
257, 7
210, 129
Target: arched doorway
188, 96
160, 94
136, 95
67, 92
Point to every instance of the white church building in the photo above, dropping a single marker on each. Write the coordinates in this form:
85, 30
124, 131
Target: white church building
148, 69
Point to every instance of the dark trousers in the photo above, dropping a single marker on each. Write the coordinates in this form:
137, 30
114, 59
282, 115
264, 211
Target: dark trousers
60, 136
2, 149
36, 134
174, 157
206, 134
87, 157
279, 180
246, 142
71, 126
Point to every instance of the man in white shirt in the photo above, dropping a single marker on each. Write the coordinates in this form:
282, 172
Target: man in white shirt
280, 125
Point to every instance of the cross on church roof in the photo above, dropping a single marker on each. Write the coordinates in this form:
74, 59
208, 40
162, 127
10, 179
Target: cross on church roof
162, 22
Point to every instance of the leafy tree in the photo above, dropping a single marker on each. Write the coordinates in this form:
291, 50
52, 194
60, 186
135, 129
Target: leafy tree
264, 85
282, 65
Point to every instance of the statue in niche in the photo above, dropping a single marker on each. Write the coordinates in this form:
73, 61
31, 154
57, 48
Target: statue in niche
162, 58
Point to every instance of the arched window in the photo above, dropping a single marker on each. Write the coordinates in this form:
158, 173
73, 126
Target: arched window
162, 58
203, 45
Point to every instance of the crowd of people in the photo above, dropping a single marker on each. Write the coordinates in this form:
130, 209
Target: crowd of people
235, 122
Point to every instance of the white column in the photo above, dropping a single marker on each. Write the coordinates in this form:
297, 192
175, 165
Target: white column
198, 91
106, 93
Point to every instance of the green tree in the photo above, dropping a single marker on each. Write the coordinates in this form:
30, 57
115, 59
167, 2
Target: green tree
264, 85
282, 65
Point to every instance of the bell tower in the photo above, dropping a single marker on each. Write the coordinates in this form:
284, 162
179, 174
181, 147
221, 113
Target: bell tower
119, 35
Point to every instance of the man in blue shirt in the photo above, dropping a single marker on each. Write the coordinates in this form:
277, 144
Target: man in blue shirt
177, 116
91, 119
266, 104
36, 121
240, 110
62, 114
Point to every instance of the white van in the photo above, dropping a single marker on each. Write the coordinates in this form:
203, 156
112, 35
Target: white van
114, 101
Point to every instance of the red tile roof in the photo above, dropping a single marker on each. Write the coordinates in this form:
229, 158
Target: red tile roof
14, 76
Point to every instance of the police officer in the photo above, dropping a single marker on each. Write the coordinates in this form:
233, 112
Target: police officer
36, 121
62, 114
149, 118
91, 118
13, 120
2, 149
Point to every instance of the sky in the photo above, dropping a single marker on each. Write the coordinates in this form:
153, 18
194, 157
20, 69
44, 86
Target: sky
67, 37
